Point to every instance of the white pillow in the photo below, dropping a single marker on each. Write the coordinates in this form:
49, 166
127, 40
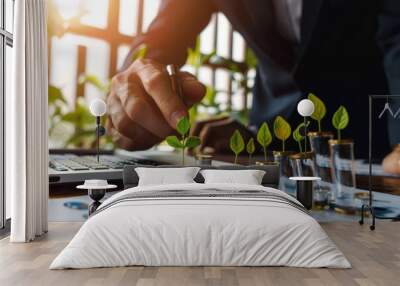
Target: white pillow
166, 176
248, 177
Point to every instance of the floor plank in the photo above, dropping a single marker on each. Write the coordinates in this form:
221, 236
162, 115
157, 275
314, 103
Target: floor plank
375, 257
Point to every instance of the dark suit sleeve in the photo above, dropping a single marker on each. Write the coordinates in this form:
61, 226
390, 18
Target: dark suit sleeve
173, 30
389, 41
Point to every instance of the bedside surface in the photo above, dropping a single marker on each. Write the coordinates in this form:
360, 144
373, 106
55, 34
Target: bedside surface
305, 178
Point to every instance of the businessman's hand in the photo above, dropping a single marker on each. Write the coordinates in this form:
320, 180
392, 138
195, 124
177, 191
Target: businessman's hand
142, 107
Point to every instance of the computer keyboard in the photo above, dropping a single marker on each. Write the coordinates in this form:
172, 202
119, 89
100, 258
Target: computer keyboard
72, 168
71, 162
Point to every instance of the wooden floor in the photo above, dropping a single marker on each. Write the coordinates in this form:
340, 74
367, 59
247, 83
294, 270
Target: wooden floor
375, 257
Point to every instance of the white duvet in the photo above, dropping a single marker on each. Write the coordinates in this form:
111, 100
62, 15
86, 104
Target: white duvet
206, 231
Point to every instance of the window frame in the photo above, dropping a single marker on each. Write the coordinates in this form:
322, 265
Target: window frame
6, 39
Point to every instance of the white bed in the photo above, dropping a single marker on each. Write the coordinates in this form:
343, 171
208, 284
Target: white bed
203, 231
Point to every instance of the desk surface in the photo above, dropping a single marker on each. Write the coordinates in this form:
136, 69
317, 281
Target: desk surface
381, 181
387, 199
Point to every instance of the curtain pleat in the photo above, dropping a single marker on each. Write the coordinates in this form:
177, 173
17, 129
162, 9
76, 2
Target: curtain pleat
27, 146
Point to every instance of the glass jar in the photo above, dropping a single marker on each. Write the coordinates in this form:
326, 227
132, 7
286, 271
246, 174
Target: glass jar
302, 164
343, 171
204, 159
319, 142
285, 170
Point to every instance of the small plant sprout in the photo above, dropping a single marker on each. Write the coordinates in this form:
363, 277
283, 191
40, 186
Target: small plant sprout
305, 108
183, 127
139, 53
340, 120
319, 111
298, 135
250, 148
236, 144
282, 130
264, 137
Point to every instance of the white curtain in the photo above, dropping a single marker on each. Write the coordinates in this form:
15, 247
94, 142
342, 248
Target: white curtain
26, 123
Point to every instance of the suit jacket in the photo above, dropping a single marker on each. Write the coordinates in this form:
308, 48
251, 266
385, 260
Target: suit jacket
348, 50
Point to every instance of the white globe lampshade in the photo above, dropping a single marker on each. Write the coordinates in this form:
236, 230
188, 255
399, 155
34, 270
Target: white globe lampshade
98, 107
305, 107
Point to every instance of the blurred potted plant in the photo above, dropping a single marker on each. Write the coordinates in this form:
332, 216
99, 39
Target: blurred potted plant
69, 128
74, 128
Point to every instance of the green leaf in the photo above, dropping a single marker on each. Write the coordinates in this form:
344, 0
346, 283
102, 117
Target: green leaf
57, 111
55, 94
207, 57
233, 67
194, 55
282, 128
192, 142
264, 136
241, 116
236, 142
250, 59
140, 53
319, 107
196, 58
211, 95
173, 141
80, 117
193, 113
93, 80
183, 126
250, 147
340, 119
297, 133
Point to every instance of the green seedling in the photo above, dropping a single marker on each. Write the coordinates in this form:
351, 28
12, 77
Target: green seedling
264, 138
298, 135
319, 109
236, 144
340, 120
282, 130
185, 141
250, 148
